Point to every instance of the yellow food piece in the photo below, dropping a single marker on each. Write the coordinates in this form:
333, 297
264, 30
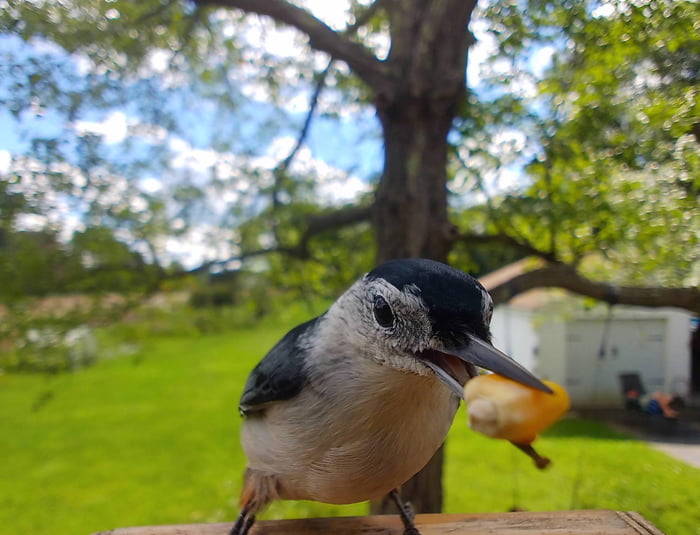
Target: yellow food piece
501, 408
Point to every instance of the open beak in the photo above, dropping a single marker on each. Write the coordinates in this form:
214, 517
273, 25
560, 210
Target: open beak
454, 366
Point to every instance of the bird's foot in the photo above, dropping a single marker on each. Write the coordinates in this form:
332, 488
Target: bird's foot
248, 524
406, 513
243, 523
242, 526
410, 515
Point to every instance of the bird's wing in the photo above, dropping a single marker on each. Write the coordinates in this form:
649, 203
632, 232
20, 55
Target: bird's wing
280, 374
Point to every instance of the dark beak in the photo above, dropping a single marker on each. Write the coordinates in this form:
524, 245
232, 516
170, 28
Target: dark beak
477, 353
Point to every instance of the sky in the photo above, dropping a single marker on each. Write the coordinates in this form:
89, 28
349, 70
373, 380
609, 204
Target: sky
344, 151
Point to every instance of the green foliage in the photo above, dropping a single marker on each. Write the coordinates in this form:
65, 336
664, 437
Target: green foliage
336, 258
53, 335
213, 295
606, 137
97, 27
206, 58
614, 180
153, 439
34, 262
38, 263
65, 333
50, 350
483, 259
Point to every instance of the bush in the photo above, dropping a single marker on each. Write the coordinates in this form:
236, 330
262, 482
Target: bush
51, 349
214, 295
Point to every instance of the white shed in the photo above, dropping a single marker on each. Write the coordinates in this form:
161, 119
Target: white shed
585, 348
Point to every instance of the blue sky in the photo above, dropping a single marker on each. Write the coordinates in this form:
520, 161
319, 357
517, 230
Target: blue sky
346, 147
339, 141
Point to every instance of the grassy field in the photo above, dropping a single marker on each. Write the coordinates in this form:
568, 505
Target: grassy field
152, 438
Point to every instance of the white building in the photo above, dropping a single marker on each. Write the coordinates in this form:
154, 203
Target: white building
586, 347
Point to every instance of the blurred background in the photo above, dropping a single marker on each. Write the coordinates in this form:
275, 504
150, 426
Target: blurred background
183, 181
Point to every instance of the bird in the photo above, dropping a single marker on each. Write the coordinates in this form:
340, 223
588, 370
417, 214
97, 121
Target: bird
348, 406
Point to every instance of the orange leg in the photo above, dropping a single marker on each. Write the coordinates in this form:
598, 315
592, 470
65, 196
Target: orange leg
258, 491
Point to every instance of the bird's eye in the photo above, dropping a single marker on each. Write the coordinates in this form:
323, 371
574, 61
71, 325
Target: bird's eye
382, 312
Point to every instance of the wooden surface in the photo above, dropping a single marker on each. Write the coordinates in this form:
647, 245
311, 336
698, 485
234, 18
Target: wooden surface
595, 522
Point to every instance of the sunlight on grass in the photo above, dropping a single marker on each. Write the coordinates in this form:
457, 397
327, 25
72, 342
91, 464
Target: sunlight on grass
153, 439
593, 468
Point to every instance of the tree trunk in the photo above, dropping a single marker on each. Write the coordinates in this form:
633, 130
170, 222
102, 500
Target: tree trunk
410, 220
410, 216
417, 91
416, 105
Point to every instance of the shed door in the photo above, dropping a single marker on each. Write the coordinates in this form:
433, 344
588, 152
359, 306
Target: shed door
632, 346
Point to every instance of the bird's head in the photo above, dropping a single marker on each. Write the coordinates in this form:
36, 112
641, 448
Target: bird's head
424, 317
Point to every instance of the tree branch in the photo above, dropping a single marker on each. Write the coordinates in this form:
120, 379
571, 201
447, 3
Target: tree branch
505, 239
520, 242
315, 224
362, 19
359, 58
281, 169
344, 217
243, 256
567, 278
365, 16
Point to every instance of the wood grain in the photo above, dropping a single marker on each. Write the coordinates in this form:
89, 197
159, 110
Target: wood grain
590, 522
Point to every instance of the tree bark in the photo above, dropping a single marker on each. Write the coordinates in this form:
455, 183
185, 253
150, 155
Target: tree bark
416, 106
417, 91
410, 212
567, 278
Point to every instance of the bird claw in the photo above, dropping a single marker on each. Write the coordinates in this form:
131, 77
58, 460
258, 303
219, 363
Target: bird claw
406, 513
409, 512
242, 526
244, 522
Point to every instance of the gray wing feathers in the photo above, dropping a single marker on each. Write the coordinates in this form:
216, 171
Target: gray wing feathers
280, 374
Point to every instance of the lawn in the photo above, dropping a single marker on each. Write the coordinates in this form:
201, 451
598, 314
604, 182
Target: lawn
152, 438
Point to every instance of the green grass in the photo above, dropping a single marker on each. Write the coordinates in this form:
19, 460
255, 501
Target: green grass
153, 438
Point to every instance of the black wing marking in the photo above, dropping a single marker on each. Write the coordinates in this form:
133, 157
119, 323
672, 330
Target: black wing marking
280, 374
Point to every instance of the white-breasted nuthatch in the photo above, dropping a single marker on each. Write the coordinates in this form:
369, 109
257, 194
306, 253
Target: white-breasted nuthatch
350, 405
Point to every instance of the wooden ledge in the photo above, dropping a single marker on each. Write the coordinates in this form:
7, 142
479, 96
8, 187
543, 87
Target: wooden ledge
589, 522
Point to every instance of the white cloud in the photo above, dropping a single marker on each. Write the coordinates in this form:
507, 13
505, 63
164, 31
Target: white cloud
478, 53
117, 126
334, 13
333, 185
71, 222
280, 148
30, 222
5, 161
604, 10
541, 60
198, 245
507, 142
113, 128
199, 162
159, 60
341, 190
151, 185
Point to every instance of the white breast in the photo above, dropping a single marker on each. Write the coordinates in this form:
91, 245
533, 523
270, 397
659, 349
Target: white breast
352, 436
